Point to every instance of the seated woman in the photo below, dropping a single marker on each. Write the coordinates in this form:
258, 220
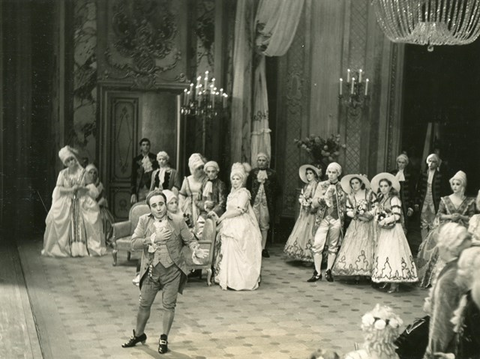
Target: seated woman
165, 177
190, 193
106, 216
445, 294
299, 243
454, 208
355, 257
239, 242
74, 227
380, 329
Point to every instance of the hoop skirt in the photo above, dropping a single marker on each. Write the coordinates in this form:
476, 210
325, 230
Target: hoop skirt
393, 260
355, 257
300, 241
238, 248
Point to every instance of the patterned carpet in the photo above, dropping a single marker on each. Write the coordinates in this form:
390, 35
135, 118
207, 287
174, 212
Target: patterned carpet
85, 308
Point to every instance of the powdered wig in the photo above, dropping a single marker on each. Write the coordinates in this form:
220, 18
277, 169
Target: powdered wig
468, 264
238, 170
451, 237
163, 154
380, 328
196, 160
404, 157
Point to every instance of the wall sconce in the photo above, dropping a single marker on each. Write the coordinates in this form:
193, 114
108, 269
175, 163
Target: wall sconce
355, 91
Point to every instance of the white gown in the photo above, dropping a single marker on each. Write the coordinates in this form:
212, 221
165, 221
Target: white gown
239, 246
74, 226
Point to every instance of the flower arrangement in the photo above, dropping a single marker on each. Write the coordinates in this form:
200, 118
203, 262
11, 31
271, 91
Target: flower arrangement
361, 208
380, 216
322, 151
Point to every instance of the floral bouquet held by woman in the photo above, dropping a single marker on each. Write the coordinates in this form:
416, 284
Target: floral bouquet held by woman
382, 219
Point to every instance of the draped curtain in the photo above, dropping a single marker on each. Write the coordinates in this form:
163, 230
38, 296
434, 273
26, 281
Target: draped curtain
276, 22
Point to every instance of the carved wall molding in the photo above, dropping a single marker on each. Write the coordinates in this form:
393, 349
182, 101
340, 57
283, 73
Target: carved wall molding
145, 42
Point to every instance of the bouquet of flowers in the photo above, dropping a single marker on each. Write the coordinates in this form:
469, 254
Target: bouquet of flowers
361, 208
380, 216
322, 151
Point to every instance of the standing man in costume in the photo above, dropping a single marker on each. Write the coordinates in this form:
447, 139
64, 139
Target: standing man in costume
331, 200
213, 189
264, 188
162, 238
430, 189
142, 167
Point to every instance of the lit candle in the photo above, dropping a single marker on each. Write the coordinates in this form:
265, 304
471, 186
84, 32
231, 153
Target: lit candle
353, 86
199, 78
206, 80
366, 87
188, 97
225, 96
341, 87
185, 97
192, 91
360, 76
348, 76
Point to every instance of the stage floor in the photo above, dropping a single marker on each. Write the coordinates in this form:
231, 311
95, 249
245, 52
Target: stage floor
76, 308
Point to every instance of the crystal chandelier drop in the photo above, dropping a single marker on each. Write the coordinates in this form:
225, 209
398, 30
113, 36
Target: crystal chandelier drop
429, 22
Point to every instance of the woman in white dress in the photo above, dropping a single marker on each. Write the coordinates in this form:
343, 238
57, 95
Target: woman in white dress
190, 194
239, 242
393, 260
74, 225
355, 257
299, 243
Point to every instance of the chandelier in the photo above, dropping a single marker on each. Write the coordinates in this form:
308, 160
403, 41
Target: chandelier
429, 22
203, 98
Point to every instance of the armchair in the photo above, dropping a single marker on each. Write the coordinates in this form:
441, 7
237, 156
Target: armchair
122, 231
207, 242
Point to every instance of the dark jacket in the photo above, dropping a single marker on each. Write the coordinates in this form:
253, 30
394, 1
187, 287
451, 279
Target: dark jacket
407, 190
139, 177
438, 189
272, 188
218, 197
172, 179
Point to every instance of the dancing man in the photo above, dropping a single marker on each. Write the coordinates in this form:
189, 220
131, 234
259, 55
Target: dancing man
161, 237
330, 200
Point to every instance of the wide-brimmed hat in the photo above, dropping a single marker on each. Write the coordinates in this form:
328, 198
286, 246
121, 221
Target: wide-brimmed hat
385, 175
302, 171
345, 182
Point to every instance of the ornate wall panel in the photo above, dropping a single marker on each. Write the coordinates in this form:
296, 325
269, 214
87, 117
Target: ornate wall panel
296, 103
83, 135
145, 42
357, 50
205, 36
121, 141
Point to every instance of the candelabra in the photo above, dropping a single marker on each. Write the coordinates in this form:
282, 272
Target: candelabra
354, 92
203, 102
203, 99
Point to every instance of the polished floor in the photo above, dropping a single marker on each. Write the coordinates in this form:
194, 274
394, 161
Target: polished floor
76, 308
